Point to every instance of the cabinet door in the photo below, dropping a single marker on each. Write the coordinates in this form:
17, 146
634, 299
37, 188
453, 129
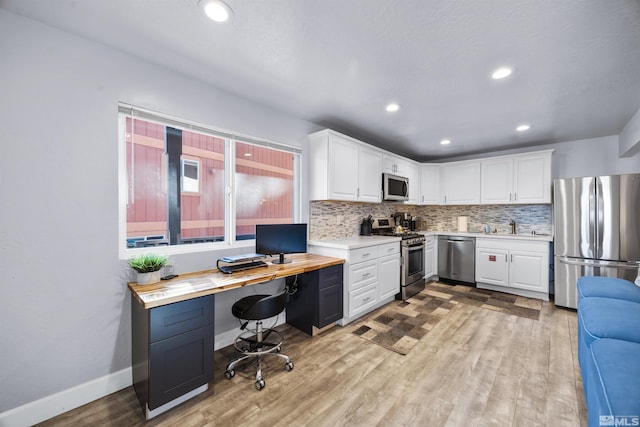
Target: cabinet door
529, 270
428, 261
492, 266
343, 170
389, 281
497, 181
532, 179
430, 185
180, 364
412, 171
369, 175
462, 184
330, 305
390, 164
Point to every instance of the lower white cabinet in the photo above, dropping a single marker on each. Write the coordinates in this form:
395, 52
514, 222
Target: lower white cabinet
430, 257
371, 276
518, 267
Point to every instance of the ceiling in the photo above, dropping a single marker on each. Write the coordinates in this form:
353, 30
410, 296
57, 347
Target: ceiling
338, 63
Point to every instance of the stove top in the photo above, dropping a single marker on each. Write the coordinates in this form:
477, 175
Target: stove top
405, 235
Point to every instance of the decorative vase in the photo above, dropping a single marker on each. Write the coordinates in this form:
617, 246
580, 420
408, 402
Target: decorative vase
148, 278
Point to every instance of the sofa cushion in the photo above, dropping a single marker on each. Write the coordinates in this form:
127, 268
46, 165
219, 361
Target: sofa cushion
607, 287
614, 381
606, 318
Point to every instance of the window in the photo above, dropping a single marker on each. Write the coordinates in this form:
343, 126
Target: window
174, 178
190, 176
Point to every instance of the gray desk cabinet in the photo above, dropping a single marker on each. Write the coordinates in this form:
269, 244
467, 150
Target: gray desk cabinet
172, 349
318, 301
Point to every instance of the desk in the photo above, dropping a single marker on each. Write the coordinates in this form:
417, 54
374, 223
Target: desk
172, 323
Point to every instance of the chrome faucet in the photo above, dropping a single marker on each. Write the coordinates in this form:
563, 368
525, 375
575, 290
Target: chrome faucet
512, 224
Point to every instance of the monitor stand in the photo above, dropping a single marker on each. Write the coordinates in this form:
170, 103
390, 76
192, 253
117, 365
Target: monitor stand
281, 260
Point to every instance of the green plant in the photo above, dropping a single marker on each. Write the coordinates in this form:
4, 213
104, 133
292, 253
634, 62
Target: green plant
147, 263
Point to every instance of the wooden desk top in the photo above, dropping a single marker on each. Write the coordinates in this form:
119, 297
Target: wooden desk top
201, 283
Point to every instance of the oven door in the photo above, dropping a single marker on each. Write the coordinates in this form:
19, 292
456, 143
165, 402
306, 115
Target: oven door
412, 268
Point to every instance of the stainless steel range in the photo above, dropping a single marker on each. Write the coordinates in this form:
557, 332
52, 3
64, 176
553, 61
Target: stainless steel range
412, 256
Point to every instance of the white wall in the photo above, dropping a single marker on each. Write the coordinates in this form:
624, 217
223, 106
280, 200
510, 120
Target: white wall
64, 305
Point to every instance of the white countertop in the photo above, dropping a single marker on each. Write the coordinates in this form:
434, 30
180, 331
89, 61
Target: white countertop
479, 235
354, 242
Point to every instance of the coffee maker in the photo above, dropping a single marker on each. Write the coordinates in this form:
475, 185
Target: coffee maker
405, 220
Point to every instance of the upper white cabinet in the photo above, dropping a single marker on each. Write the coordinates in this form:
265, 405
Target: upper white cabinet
461, 183
517, 179
412, 171
430, 184
395, 165
342, 168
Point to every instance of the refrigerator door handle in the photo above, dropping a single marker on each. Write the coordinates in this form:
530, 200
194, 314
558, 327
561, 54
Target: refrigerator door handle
599, 229
598, 263
593, 205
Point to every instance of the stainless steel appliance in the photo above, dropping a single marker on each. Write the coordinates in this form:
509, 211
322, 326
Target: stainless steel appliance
457, 259
394, 187
597, 231
412, 252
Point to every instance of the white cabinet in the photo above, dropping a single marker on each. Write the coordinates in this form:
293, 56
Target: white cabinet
412, 171
371, 276
389, 276
430, 257
519, 267
430, 185
461, 183
342, 168
517, 179
394, 165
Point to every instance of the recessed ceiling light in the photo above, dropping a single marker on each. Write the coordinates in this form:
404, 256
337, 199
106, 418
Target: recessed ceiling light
393, 107
522, 128
501, 73
216, 10
445, 142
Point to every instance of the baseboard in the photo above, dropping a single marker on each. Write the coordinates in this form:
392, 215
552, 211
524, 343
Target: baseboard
66, 400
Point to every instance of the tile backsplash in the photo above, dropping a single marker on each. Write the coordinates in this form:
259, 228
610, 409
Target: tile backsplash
331, 219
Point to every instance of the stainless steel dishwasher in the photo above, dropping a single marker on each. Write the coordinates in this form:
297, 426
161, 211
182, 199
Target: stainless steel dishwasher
457, 258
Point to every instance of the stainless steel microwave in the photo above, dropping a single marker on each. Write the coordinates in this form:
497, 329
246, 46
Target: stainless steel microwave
394, 187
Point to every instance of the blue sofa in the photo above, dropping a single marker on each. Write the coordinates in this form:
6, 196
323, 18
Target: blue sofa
609, 349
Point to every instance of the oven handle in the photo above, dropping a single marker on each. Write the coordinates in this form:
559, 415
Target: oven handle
415, 245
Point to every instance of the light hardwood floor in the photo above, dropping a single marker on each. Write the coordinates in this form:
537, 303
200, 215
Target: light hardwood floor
477, 367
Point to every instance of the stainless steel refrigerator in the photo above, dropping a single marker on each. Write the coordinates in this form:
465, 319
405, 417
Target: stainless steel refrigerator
597, 231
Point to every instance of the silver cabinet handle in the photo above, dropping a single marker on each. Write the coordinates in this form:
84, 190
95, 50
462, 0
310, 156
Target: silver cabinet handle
366, 255
366, 299
365, 275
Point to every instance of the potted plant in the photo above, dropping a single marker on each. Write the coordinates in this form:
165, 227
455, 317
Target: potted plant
148, 267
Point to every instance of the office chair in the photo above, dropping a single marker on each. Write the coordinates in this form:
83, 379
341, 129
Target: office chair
254, 343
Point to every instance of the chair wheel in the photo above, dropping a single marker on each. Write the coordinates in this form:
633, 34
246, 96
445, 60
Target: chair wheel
229, 374
260, 384
288, 366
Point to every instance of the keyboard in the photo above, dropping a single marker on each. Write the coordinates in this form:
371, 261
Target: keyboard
228, 269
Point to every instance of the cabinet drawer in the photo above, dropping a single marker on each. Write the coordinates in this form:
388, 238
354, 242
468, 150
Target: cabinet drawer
362, 274
180, 317
330, 276
389, 249
362, 299
363, 254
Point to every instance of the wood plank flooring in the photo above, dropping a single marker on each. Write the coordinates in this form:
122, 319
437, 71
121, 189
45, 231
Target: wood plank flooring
476, 367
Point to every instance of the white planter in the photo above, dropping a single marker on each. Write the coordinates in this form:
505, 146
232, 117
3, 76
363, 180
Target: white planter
149, 278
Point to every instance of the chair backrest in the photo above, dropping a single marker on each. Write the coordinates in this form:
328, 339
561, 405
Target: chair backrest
267, 307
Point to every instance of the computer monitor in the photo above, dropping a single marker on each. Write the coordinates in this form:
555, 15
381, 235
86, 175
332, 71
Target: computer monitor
281, 239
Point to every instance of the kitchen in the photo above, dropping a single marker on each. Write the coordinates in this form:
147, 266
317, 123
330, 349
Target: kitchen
524, 217
60, 68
